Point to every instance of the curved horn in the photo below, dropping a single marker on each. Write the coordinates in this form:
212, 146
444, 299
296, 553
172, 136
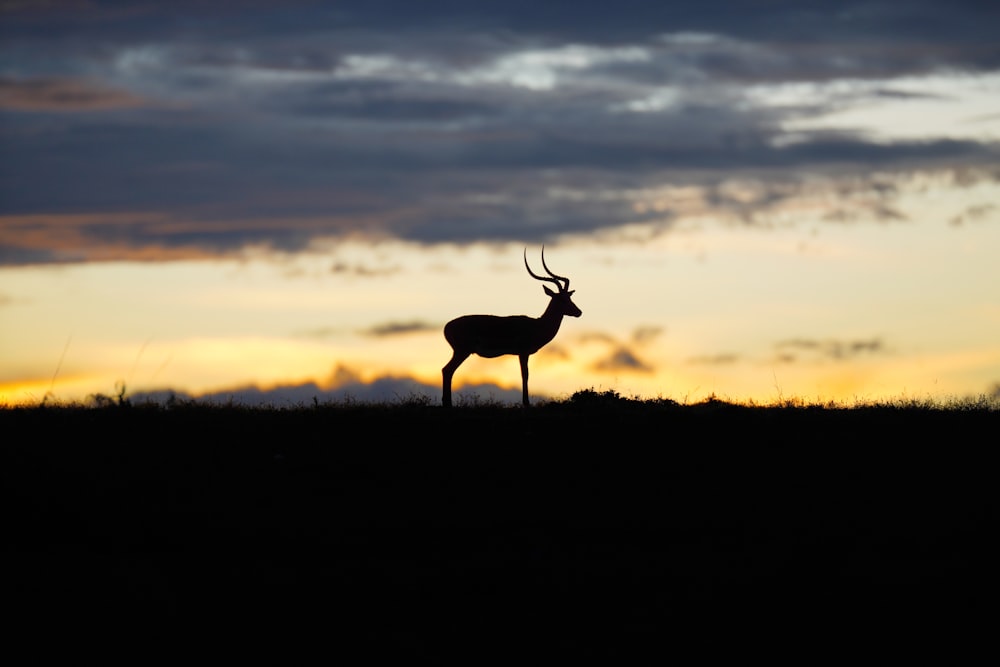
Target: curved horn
565, 281
562, 282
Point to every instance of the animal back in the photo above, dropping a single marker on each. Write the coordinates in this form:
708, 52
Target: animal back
493, 335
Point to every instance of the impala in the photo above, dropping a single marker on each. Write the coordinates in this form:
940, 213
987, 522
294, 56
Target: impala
493, 336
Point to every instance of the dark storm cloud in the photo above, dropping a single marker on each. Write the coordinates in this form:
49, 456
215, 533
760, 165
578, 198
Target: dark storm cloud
805, 21
273, 124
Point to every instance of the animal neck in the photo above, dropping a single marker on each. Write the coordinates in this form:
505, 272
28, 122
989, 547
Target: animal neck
551, 318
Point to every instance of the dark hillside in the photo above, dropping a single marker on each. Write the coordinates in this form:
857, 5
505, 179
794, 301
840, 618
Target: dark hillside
594, 526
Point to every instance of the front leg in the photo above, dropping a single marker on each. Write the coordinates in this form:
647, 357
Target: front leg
524, 380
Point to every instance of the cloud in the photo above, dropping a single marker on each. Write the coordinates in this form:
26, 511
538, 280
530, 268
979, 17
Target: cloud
598, 337
789, 350
620, 357
57, 238
362, 271
722, 359
622, 360
342, 376
975, 213
400, 328
347, 390
494, 121
555, 351
646, 334
62, 94
383, 390
319, 333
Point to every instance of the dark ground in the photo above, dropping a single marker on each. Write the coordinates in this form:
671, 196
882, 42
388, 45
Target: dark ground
591, 527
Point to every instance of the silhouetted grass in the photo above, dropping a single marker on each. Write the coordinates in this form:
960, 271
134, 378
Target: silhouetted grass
597, 525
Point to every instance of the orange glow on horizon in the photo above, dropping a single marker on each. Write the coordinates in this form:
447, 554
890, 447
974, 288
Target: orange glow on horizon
825, 313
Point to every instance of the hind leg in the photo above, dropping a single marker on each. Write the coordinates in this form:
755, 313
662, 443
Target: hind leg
524, 381
447, 373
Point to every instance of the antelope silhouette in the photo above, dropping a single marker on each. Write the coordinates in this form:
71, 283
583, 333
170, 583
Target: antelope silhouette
494, 336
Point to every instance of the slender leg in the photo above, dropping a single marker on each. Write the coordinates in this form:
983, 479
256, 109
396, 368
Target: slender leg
524, 380
446, 374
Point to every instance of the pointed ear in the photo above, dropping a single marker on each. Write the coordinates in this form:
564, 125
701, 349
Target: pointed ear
548, 291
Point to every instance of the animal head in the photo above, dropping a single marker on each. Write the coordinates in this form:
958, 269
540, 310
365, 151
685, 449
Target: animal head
562, 299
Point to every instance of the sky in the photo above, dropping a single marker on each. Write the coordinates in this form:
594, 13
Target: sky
280, 202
